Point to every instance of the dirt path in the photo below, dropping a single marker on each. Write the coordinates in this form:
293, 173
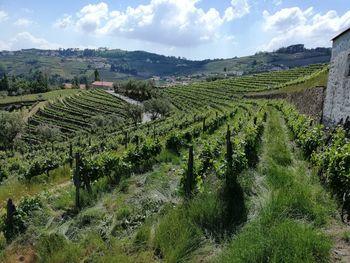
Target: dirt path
34, 110
341, 249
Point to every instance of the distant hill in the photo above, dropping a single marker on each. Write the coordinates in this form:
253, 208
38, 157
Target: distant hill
64, 64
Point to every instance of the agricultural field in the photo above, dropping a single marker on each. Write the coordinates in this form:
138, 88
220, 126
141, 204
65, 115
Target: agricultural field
30, 99
194, 95
77, 113
221, 179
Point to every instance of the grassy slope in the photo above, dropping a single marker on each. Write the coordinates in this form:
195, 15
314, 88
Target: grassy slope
40, 96
318, 81
287, 212
286, 226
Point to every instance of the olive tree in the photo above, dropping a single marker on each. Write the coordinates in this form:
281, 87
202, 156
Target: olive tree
47, 133
11, 124
134, 112
157, 107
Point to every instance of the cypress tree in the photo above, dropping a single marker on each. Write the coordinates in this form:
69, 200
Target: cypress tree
190, 179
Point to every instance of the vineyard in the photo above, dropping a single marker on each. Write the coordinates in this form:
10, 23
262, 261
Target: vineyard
76, 113
222, 179
186, 98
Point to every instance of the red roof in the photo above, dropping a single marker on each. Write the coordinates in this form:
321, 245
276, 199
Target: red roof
103, 84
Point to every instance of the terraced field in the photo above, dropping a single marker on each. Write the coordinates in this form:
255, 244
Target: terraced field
210, 93
74, 113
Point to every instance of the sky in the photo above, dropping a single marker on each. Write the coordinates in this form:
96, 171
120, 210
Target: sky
194, 29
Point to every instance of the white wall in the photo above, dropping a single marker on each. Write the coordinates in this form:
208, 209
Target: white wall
337, 101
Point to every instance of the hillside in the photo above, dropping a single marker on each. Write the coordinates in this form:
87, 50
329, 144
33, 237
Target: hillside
178, 188
63, 65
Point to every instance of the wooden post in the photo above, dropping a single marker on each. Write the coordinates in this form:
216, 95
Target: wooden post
190, 174
71, 155
137, 141
87, 183
229, 159
126, 140
9, 224
77, 182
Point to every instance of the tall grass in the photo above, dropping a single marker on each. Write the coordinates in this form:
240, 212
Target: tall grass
288, 227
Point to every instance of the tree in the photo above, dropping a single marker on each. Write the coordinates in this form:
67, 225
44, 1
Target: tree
4, 83
97, 75
47, 133
39, 83
190, 180
11, 124
134, 112
75, 83
157, 107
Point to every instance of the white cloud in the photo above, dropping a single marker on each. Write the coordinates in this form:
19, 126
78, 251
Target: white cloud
23, 22
26, 40
91, 16
3, 16
286, 18
64, 22
4, 45
169, 22
293, 25
238, 9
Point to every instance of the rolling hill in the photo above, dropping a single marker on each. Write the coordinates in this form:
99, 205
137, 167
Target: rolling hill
62, 65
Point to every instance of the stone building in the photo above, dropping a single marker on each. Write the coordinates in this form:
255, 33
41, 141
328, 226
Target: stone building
337, 102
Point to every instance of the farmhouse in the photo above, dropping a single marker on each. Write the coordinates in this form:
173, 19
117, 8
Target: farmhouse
102, 85
337, 102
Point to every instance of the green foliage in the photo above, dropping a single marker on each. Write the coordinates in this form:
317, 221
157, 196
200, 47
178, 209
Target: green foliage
97, 75
288, 241
21, 216
176, 236
137, 89
332, 159
49, 244
10, 125
134, 112
42, 165
157, 107
47, 133
174, 143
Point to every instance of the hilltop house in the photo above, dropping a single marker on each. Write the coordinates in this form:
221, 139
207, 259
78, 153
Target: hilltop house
102, 85
337, 102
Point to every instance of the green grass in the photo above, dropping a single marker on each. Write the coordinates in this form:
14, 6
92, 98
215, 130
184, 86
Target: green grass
319, 80
51, 95
15, 189
177, 236
287, 228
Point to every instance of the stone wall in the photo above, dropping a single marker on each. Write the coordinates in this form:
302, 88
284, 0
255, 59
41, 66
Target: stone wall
337, 101
308, 102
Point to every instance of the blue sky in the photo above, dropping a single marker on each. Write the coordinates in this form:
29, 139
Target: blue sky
195, 29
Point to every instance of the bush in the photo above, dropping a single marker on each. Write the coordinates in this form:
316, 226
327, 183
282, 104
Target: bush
176, 236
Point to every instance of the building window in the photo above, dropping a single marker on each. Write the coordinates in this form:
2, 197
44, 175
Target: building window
348, 66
